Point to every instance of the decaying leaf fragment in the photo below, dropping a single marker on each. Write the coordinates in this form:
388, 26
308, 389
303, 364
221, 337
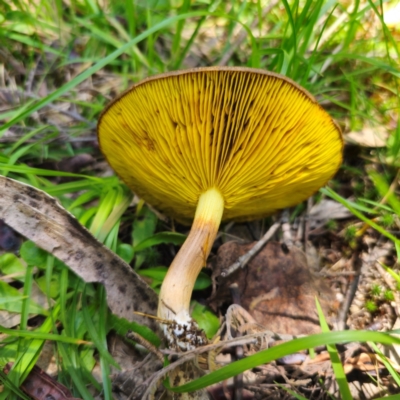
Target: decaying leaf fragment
40, 218
40, 386
276, 287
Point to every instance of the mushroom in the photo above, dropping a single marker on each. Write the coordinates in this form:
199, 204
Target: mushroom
217, 143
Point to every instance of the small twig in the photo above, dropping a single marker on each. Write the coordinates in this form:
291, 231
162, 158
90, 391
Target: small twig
234, 289
286, 231
247, 339
138, 366
146, 344
342, 314
160, 320
154, 379
191, 354
328, 274
243, 260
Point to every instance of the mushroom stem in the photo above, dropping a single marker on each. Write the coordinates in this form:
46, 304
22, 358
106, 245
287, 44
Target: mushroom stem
177, 287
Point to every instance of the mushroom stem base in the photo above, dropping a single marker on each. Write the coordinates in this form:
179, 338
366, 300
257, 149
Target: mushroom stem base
176, 290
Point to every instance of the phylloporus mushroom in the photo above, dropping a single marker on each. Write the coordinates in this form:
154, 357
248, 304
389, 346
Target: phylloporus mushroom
218, 143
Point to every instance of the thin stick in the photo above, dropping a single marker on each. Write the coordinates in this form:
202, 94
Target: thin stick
191, 354
244, 259
146, 344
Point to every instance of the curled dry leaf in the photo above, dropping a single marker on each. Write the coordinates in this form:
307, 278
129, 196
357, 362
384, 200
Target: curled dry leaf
276, 287
327, 210
40, 218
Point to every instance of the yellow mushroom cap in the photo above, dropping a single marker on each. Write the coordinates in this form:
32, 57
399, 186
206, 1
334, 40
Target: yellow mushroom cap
258, 137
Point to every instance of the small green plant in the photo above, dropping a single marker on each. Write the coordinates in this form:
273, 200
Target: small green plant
388, 295
376, 290
371, 306
387, 220
331, 225
350, 235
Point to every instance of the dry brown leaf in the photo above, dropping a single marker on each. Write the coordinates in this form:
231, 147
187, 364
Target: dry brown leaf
40, 386
369, 137
276, 287
40, 218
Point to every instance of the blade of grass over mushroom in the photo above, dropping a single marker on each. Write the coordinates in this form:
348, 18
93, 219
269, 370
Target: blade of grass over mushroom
281, 350
157, 274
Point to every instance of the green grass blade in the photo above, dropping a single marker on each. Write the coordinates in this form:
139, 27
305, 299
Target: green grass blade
69, 367
393, 373
111, 57
103, 330
42, 336
296, 345
94, 334
329, 192
335, 358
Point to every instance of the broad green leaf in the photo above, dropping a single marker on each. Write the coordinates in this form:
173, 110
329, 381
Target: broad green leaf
33, 255
125, 251
161, 238
54, 289
12, 301
144, 226
11, 264
206, 319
